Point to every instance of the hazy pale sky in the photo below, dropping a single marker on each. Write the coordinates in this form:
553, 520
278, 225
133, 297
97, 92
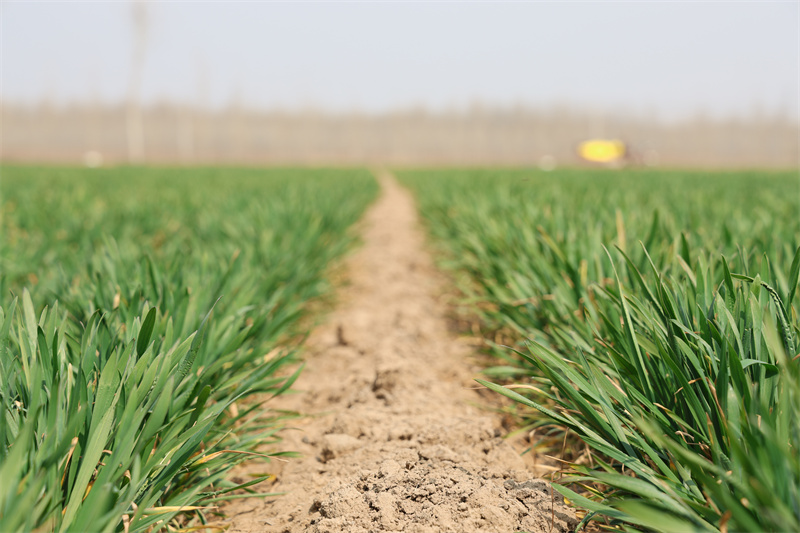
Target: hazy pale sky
668, 58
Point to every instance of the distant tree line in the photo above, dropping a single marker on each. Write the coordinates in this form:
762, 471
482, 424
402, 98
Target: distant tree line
177, 134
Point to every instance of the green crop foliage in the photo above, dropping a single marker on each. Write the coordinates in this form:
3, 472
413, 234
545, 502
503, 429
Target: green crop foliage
146, 317
656, 314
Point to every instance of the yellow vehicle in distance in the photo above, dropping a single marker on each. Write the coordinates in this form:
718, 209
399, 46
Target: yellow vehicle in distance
605, 151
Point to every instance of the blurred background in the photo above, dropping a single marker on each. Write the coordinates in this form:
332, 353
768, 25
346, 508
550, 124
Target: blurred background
700, 84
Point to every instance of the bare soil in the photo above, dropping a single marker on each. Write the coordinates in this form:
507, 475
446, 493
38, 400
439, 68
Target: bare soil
395, 439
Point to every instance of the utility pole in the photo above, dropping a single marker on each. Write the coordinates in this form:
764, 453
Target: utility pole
134, 111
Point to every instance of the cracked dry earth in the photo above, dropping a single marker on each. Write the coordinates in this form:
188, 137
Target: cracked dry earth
395, 439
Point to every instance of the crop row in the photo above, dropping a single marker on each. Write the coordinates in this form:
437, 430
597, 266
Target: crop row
652, 314
146, 316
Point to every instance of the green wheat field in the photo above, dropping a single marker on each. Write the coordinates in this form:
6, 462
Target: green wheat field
648, 316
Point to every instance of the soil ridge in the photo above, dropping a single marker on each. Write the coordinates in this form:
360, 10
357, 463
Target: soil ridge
394, 440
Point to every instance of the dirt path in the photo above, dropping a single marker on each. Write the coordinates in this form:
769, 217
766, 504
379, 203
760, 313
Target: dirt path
397, 442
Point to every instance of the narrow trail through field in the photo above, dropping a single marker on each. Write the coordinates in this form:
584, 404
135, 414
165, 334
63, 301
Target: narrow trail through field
395, 440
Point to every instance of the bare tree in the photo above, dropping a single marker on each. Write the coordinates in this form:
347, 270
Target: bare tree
135, 129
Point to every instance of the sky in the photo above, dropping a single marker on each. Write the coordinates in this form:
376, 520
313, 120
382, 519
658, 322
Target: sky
666, 59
